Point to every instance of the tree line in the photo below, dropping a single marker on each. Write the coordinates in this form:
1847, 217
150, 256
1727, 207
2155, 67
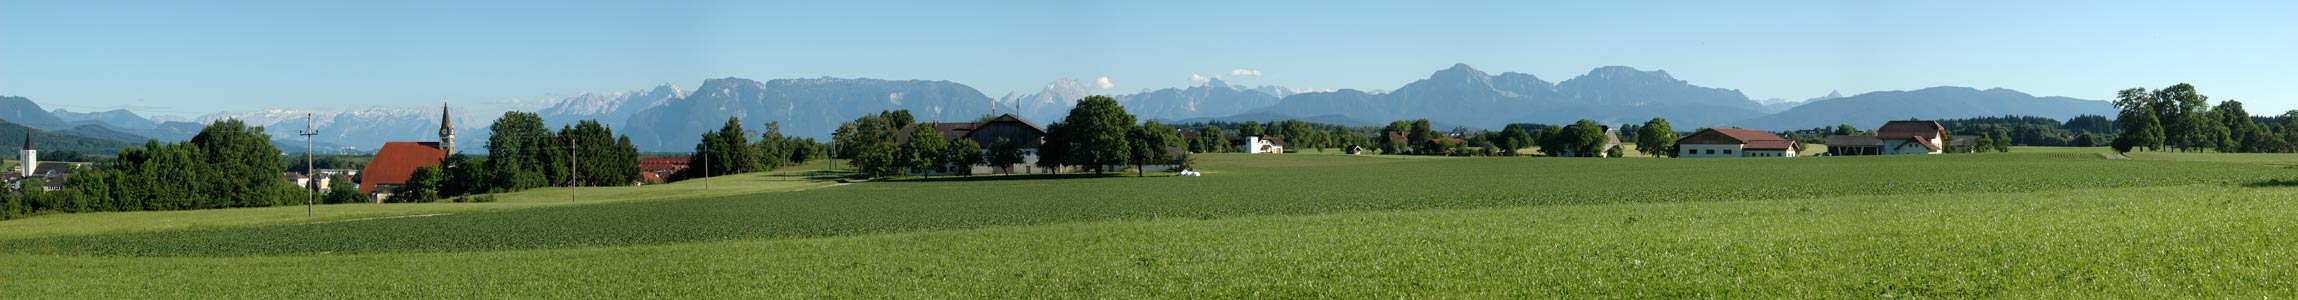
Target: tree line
228, 164
1097, 135
2181, 118
728, 151
1212, 136
1584, 138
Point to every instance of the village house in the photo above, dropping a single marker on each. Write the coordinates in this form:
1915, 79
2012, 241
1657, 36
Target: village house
299, 180
1894, 138
1025, 135
397, 161
1734, 142
1258, 144
659, 169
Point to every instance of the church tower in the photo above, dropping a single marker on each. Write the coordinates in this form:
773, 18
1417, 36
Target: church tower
31, 157
446, 129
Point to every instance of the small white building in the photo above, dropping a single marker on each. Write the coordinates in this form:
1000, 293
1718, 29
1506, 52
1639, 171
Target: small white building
1258, 144
1734, 142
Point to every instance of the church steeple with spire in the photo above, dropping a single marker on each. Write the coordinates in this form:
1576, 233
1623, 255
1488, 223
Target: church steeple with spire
446, 128
30, 157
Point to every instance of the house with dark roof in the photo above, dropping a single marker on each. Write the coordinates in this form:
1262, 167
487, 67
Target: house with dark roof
1963, 144
1023, 134
1734, 142
1894, 138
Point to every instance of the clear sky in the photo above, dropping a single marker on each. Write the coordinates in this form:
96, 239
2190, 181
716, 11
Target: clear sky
187, 57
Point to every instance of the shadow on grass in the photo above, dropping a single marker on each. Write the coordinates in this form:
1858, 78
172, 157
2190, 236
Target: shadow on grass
1008, 177
821, 175
2273, 183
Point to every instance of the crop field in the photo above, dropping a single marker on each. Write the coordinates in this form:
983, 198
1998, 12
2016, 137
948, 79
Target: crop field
117, 222
2048, 223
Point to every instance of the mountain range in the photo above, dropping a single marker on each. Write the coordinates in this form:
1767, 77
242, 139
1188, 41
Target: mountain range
667, 118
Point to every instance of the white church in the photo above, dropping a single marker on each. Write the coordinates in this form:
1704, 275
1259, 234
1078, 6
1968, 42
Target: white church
30, 167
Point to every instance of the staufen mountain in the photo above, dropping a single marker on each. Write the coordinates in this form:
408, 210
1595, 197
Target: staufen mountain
810, 107
1872, 109
118, 118
23, 111
1464, 95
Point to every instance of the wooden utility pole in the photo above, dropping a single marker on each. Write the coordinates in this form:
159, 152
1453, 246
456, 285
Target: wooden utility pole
573, 181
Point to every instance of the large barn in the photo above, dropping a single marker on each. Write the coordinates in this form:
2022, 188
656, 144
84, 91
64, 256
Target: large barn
1734, 142
1025, 135
1894, 138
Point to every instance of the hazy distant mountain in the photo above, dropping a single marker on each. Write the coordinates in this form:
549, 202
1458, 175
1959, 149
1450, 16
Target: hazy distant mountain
364, 130
98, 131
118, 118
609, 108
1270, 116
1776, 105
805, 107
1617, 85
1049, 103
1214, 98
24, 112
1872, 109
1282, 92
12, 136
1464, 95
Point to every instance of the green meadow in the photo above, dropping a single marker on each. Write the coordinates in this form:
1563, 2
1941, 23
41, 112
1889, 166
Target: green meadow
2034, 223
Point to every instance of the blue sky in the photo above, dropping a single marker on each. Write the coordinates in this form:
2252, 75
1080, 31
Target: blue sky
189, 57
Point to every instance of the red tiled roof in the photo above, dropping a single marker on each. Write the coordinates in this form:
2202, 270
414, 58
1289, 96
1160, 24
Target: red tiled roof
397, 161
1713, 136
663, 164
1903, 129
1926, 142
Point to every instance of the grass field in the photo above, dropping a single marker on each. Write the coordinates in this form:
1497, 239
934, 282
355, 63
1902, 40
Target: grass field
119, 222
2035, 223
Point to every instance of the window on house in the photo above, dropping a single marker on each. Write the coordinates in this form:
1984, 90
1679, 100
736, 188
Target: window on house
1727, 152
1711, 151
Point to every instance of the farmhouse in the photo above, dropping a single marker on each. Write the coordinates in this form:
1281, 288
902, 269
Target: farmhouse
397, 161
1023, 134
1894, 138
1258, 144
298, 179
1734, 142
1963, 144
